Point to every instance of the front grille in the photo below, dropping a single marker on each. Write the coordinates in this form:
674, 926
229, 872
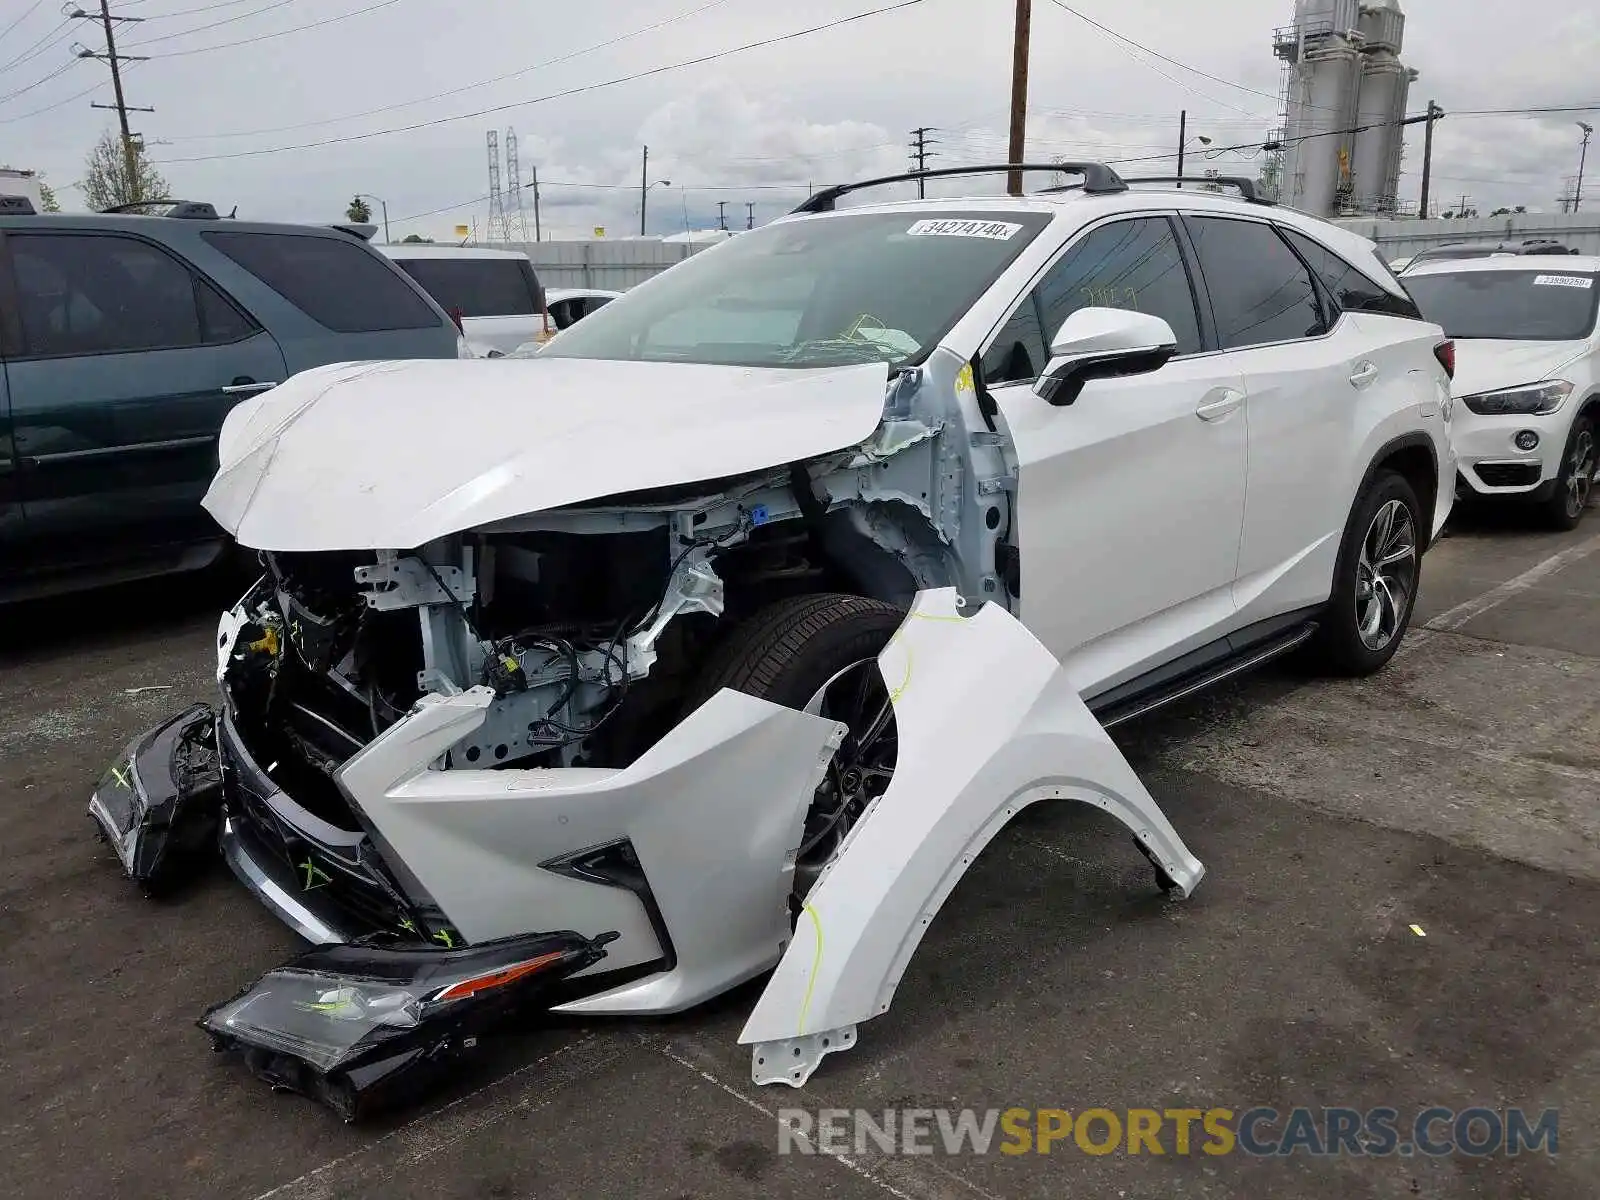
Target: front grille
1508, 474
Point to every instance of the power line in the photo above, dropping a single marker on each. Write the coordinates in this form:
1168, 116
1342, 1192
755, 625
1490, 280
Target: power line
66, 66
189, 12
130, 152
263, 37
467, 87
567, 92
52, 38
90, 90
26, 13
245, 16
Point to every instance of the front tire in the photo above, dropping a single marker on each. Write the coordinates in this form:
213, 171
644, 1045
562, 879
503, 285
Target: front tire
1575, 483
1375, 581
819, 654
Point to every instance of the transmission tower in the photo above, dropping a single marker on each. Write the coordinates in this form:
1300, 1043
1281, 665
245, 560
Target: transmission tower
497, 209
516, 223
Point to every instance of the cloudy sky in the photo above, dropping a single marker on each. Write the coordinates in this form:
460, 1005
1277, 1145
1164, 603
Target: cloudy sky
287, 107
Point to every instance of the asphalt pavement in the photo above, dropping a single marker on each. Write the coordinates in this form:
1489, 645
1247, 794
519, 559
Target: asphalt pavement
1400, 909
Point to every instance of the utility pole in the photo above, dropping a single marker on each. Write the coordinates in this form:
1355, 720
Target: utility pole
122, 107
1434, 113
537, 233
722, 220
1019, 94
1183, 136
920, 153
749, 214
1583, 159
644, 187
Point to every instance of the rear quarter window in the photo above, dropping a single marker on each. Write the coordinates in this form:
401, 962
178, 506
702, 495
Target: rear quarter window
342, 286
1352, 289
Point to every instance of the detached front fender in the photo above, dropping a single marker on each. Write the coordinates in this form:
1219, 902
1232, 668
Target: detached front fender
988, 723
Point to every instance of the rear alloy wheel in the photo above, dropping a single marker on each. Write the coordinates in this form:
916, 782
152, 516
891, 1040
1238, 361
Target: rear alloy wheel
1375, 582
1575, 484
819, 654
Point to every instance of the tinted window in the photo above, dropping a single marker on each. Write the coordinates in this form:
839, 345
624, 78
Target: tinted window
1130, 264
1260, 291
337, 283
220, 321
1350, 288
98, 293
844, 288
1515, 305
477, 287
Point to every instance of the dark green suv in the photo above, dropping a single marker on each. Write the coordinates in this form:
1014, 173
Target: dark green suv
125, 338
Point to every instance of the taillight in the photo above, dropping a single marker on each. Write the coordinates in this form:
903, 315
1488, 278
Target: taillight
455, 315
1445, 352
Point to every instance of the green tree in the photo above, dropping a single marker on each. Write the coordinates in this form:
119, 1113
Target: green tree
358, 211
413, 238
107, 180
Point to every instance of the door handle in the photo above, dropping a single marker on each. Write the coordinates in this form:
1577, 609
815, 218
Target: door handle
1218, 404
1363, 374
246, 387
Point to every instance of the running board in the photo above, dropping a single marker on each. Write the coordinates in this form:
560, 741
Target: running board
1189, 685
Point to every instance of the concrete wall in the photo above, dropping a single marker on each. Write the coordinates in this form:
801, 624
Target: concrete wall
1400, 239
601, 264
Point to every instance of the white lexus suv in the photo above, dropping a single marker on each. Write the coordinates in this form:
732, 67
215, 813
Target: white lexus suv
1527, 374
724, 633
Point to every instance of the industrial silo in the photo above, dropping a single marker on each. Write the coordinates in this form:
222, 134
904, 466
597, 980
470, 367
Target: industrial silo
1385, 86
1323, 91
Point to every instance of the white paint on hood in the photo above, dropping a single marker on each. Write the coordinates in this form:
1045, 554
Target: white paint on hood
391, 455
1484, 366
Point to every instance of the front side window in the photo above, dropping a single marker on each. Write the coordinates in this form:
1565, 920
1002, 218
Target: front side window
1260, 290
341, 285
811, 292
1133, 264
477, 287
1522, 306
101, 294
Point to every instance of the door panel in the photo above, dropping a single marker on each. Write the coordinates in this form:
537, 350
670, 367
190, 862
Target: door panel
116, 397
1130, 500
10, 496
1129, 509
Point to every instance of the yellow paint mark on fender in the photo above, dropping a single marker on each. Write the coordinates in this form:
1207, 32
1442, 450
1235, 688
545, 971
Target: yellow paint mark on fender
816, 965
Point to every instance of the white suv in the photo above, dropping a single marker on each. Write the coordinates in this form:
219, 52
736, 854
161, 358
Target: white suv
1527, 374
773, 589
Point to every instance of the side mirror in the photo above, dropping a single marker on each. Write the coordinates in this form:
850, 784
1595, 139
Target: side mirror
1103, 343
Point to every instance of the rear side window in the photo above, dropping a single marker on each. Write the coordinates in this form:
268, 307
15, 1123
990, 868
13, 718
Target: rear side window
82, 293
341, 285
1260, 290
477, 287
1350, 288
1132, 264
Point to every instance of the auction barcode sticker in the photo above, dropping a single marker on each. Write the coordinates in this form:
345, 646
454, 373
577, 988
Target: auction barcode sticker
1572, 281
997, 231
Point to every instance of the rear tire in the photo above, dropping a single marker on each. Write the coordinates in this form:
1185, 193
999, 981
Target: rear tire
819, 654
1574, 485
1375, 581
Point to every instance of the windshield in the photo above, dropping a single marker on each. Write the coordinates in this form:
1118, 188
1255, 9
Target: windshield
1522, 306
854, 288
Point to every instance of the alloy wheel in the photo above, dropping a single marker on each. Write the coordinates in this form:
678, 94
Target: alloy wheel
1386, 575
860, 770
1580, 473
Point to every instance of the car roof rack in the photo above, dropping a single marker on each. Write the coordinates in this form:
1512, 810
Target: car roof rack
1098, 179
17, 204
183, 210
1247, 188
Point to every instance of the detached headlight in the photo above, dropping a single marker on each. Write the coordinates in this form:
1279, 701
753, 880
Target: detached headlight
1528, 399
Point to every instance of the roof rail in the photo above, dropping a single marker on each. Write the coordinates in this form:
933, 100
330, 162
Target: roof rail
17, 204
1247, 188
188, 210
356, 229
1098, 179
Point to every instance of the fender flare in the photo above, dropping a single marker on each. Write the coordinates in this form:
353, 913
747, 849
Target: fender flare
1405, 441
966, 766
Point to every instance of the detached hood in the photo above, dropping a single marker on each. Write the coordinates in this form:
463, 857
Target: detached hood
391, 455
1483, 365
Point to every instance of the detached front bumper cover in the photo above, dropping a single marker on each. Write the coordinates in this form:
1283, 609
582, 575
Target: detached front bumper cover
362, 1027
159, 804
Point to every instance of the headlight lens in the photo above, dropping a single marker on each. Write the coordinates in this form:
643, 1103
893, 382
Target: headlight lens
1528, 399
